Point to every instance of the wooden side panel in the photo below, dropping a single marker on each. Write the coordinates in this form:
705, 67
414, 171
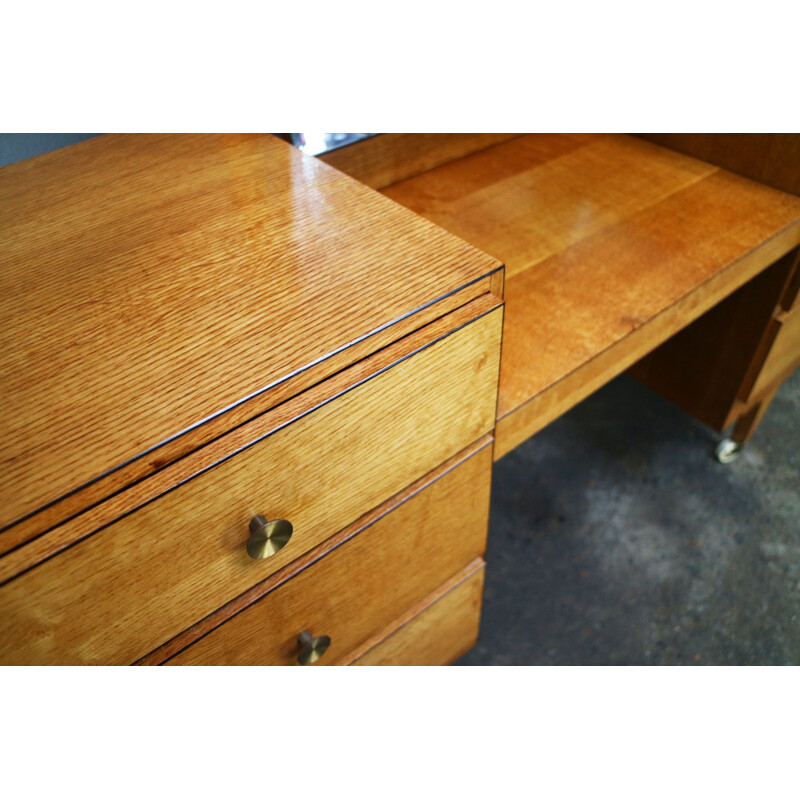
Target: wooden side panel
784, 356
119, 594
366, 583
703, 367
439, 634
771, 158
391, 157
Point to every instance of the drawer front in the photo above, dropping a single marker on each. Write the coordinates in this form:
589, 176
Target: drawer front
783, 355
442, 632
366, 583
119, 594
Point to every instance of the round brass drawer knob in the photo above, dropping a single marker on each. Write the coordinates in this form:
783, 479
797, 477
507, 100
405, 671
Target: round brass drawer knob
267, 536
312, 648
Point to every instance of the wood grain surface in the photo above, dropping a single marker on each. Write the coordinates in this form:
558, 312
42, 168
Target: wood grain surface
134, 497
173, 450
152, 282
246, 599
363, 585
437, 633
105, 600
611, 245
533, 197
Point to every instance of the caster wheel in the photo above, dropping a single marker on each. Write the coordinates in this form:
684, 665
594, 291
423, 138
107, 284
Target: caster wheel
728, 450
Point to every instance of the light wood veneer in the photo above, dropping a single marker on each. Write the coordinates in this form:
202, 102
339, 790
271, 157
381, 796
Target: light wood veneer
611, 245
370, 580
198, 329
246, 599
129, 500
438, 633
167, 458
184, 551
151, 284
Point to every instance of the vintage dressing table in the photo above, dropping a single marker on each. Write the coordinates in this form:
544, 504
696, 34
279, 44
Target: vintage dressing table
251, 400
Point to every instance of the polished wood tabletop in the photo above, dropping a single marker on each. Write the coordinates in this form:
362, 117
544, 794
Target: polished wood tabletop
191, 272
611, 245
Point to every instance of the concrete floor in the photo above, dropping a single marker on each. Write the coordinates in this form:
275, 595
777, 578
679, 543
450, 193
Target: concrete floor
616, 538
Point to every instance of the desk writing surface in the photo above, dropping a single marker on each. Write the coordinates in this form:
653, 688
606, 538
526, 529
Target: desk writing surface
190, 272
611, 244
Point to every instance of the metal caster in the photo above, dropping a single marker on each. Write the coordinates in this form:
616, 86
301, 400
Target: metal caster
728, 450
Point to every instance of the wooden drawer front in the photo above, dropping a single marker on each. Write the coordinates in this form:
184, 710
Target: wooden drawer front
119, 594
783, 355
370, 580
439, 634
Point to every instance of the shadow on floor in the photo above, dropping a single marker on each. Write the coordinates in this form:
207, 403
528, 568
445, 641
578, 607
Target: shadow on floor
616, 538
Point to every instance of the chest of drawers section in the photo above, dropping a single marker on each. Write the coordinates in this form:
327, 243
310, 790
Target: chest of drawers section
431, 533
145, 540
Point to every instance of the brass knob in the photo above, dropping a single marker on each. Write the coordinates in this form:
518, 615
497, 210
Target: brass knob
312, 647
267, 537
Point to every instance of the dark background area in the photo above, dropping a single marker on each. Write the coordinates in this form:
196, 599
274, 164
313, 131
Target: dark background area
17, 146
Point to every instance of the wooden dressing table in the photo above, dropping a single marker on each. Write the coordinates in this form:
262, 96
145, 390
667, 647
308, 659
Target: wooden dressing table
250, 405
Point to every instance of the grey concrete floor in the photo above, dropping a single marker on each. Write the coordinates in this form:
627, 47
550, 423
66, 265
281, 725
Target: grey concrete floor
616, 538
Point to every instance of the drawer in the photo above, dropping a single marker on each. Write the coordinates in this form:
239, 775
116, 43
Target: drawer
366, 583
783, 356
438, 634
118, 594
